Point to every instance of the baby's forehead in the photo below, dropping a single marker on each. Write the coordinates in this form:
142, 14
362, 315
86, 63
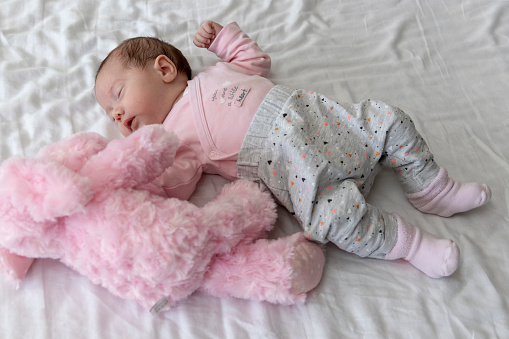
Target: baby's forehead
114, 59
106, 76
110, 66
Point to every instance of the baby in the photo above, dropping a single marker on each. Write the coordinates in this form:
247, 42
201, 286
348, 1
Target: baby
319, 158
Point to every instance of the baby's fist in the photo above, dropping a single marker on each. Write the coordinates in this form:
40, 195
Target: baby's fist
207, 33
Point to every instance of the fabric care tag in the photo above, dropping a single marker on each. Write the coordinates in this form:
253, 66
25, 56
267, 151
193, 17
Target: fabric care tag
159, 306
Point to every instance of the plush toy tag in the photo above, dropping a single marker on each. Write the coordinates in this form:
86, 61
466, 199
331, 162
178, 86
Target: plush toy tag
158, 306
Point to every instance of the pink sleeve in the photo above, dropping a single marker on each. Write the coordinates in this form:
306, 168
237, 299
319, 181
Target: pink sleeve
179, 180
235, 47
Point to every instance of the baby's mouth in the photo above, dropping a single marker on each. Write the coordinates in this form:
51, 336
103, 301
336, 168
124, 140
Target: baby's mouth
134, 124
131, 124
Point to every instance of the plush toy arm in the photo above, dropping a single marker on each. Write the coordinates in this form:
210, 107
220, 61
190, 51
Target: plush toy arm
133, 161
74, 151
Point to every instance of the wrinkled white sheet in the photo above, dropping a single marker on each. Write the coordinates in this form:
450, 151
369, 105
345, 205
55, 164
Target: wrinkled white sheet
443, 62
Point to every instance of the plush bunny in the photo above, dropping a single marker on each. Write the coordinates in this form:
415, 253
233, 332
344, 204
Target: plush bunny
87, 202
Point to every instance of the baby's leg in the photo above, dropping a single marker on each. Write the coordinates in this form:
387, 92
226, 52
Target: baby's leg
427, 186
386, 236
431, 255
340, 214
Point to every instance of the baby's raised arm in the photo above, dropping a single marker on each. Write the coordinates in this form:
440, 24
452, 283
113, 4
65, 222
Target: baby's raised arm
207, 33
234, 47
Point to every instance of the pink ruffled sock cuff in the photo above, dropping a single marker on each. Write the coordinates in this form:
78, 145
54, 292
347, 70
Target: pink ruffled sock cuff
446, 196
438, 185
431, 255
405, 239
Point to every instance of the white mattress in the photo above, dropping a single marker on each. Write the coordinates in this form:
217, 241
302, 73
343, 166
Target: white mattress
446, 63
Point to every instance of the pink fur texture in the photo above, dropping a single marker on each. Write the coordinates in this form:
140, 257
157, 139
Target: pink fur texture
82, 201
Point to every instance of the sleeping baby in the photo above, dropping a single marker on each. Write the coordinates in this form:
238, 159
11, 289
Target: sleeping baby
318, 157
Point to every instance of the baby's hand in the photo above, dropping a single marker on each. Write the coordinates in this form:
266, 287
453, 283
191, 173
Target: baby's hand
207, 33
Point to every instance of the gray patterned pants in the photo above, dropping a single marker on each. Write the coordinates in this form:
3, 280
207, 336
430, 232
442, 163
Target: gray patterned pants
319, 158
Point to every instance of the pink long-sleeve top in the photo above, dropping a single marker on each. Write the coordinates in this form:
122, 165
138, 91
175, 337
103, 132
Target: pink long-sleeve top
214, 114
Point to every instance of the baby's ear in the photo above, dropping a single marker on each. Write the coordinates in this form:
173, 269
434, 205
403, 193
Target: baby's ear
165, 68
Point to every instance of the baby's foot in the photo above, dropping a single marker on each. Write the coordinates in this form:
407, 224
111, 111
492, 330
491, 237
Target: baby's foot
445, 196
433, 256
307, 265
429, 254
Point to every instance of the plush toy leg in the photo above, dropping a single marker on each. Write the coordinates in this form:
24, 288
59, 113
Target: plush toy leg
265, 271
14, 266
307, 265
242, 213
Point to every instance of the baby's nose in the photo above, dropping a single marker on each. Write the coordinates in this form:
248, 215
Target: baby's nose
117, 113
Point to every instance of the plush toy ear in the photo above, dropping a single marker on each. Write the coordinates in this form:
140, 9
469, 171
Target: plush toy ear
45, 190
133, 161
74, 151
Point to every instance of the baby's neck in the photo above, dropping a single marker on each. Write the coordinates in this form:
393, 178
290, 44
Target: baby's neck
181, 94
179, 85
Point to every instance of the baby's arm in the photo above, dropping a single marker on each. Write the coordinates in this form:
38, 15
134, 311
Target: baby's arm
234, 47
180, 180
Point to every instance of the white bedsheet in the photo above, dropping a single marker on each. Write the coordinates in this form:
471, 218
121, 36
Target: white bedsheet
446, 63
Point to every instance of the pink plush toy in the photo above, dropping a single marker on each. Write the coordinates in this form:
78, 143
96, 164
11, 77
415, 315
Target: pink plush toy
86, 202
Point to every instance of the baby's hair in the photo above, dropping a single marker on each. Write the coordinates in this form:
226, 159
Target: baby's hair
136, 52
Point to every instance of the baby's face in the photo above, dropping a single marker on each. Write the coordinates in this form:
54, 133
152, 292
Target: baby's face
132, 97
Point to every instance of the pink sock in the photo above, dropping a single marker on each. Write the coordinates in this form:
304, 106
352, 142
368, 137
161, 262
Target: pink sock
445, 196
429, 254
